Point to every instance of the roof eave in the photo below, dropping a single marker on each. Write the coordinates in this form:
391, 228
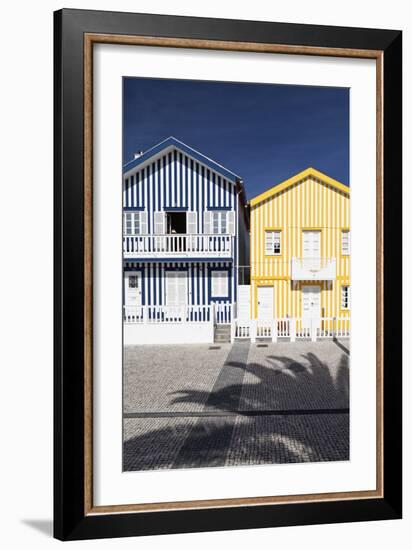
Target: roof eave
296, 179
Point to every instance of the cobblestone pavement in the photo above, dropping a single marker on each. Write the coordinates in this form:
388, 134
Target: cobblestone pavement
196, 406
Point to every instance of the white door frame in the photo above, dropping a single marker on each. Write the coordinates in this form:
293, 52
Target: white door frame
138, 301
270, 309
177, 274
313, 318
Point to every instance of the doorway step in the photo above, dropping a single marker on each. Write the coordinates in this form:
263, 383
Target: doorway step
222, 334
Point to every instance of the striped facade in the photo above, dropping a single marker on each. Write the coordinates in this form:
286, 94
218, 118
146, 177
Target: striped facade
309, 202
177, 180
169, 179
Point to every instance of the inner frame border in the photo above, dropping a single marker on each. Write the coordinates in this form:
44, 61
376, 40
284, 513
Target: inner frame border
95, 38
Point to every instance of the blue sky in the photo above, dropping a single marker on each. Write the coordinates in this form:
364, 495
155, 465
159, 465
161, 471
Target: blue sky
263, 132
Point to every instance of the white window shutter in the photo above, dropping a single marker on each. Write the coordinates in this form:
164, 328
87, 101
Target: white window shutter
231, 222
191, 223
159, 223
268, 242
143, 223
207, 222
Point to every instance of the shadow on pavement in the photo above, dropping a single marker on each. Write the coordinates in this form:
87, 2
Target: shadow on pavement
285, 385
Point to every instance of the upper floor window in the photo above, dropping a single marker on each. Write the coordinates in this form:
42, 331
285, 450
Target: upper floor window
345, 242
135, 223
345, 297
273, 243
219, 222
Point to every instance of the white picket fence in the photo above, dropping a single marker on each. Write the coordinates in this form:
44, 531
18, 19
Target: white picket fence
168, 314
223, 312
287, 328
293, 329
217, 313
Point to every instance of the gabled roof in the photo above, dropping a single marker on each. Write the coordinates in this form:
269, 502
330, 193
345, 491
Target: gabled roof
296, 179
171, 142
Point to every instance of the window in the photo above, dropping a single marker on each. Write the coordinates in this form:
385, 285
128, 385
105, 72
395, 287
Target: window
220, 284
345, 300
135, 223
219, 222
272, 243
345, 242
133, 281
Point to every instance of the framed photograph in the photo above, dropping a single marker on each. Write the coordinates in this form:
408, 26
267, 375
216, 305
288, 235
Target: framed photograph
227, 274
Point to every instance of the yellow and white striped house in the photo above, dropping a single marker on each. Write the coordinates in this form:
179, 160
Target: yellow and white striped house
300, 251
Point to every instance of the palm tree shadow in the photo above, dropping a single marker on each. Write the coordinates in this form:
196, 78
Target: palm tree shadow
283, 411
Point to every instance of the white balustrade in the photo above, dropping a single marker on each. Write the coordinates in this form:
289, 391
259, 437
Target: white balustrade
313, 269
177, 245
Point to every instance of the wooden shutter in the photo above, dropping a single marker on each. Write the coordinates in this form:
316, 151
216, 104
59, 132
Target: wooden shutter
159, 223
345, 243
231, 222
269, 242
191, 223
207, 222
143, 223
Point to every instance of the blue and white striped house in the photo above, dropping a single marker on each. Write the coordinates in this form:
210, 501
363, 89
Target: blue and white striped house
186, 232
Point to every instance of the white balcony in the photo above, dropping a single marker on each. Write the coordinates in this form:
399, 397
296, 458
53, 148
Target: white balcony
177, 246
313, 269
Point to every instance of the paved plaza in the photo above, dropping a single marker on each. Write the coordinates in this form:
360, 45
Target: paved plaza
235, 404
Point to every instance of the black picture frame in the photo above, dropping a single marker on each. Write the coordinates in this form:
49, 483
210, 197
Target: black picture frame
70, 520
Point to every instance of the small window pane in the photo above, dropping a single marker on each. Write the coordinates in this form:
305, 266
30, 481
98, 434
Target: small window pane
272, 243
132, 223
345, 297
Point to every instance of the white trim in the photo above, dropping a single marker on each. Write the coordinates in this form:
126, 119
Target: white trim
275, 237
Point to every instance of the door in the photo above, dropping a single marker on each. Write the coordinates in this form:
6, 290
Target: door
265, 303
133, 295
133, 288
311, 249
176, 292
243, 302
310, 306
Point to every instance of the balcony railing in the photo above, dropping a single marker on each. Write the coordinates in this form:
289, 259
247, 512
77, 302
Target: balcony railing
177, 245
313, 269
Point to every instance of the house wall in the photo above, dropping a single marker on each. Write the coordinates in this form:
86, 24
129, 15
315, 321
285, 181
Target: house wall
243, 250
198, 274
175, 180
308, 204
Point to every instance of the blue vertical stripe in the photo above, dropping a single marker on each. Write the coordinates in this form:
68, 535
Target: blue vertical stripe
169, 168
202, 189
196, 205
180, 168
175, 175
136, 185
